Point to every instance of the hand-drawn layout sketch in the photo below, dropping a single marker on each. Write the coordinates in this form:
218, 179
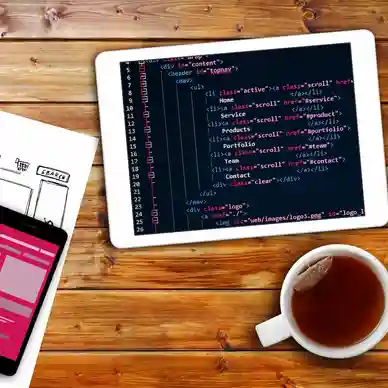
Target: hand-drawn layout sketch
15, 196
51, 202
21, 165
52, 173
43, 173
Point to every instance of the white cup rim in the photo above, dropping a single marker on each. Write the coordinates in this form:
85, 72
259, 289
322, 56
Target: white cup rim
333, 352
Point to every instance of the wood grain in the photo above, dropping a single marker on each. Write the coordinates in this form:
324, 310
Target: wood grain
190, 19
64, 71
93, 206
54, 71
250, 263
128, 320
179, 320
81, 118
208, 369
183, 315
168, 19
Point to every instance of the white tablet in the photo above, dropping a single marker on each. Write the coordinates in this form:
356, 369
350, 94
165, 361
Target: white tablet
242, 138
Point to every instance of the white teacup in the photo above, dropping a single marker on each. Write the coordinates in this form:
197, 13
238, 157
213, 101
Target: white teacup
284, 325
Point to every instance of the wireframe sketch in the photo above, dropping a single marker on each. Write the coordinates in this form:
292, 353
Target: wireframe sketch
21, 165
15, 196
53, 173
51, 202
10, 170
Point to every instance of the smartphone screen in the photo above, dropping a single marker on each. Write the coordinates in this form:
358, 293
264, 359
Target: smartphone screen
25, 264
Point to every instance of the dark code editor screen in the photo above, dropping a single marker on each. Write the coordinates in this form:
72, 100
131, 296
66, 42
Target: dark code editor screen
240, 139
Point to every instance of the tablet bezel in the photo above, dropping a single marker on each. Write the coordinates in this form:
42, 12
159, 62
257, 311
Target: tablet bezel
115, 153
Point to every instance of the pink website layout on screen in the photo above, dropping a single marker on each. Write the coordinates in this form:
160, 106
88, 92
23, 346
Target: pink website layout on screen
25, 264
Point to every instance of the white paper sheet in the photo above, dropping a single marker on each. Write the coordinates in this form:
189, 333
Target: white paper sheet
43, 173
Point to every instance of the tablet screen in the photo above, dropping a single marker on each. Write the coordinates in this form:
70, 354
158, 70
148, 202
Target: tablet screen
238, 139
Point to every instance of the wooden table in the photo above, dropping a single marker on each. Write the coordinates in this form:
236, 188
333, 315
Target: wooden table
180, 316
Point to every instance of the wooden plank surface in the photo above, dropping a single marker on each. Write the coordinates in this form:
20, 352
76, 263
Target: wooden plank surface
93, 207
64, 71
127, 320
179, 320
255, 263
51, 71
140, 19
180, 315
82, 19
208, 369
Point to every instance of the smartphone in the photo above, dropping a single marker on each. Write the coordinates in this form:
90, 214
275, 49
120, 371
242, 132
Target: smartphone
29, 254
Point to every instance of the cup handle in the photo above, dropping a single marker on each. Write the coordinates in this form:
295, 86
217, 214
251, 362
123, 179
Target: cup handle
274, 330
